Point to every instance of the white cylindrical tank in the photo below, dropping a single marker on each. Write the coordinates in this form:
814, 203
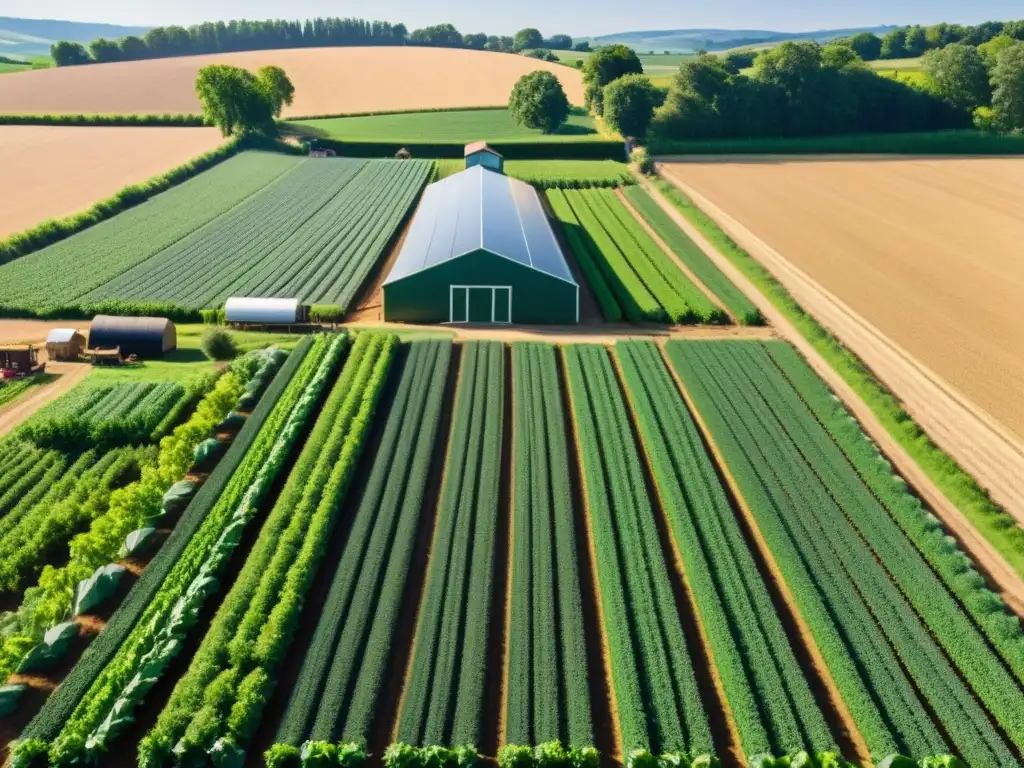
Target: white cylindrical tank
244, 309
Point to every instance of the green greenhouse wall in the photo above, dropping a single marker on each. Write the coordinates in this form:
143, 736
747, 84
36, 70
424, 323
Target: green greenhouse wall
537, 298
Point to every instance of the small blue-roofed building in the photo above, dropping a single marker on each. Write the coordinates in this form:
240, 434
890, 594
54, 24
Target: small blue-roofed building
481, 250
478, 153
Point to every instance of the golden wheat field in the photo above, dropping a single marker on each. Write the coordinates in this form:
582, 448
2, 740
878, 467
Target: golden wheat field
327, 81
929, 251
51, 171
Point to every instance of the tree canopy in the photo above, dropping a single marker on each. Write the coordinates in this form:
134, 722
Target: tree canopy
607, 63
958, 74
237, 101
538, 101
528, 38
1008, 88
629, 103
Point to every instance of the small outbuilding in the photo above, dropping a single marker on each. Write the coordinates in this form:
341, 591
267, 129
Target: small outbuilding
64, 344
478, 153
256, 311
481, 250
139, 336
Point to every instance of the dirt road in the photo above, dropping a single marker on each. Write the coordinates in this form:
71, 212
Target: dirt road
955, 357
989, 561
68, 375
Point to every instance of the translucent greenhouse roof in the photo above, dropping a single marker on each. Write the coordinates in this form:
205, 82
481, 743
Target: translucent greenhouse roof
475, 209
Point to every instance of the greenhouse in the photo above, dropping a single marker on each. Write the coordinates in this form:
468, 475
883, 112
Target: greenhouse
481, 250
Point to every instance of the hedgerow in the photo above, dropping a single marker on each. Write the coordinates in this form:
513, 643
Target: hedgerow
226, 481
180, 121
444, 699
546, 695
659, 706
218, 703
344, 667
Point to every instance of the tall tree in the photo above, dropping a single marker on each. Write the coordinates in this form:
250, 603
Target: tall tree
604, 65
103, 51
894, 44
235, 100
866, 45
67, 54
538, 101
278, 88
958, 74
528, 38
1008, 88
629, 103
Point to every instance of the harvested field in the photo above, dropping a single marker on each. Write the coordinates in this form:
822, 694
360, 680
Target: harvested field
925, 250
55, 171
327, 81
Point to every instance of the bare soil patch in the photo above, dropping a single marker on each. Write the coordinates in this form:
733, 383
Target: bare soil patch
55, 171
69, 374
915, 265
327, 81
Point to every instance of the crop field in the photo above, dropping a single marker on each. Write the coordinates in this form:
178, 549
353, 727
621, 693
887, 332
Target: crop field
58, 171
54, 276
424, 550
309, 229
494, 125
915, 276
548, 174
636, 274
328, 81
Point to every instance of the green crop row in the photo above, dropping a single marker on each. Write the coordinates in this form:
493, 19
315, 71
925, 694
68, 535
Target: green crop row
121, 414
15, 388
321, 229
585, 257
636, 301
56, 275
674, 287
953, 566
218, 703
23, 467
98, 680
768, 695
129, 509
80, 494
738, 305
344, 668
547, 664
795, 479
659, 706
444, 700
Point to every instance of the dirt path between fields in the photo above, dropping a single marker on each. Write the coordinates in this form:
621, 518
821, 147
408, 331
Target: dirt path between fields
68, 375
999, 573
975, 439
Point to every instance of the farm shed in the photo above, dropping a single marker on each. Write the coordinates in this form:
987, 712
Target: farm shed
481, 250
140, 336
246, 309
64, 344
478, 153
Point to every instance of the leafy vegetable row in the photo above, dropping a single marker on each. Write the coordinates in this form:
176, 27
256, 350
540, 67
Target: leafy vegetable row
444, 700
547, 695
83, 700
765, 687
659, 706
218, 703
345, 667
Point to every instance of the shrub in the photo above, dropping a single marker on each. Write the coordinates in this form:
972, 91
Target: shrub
218, 344
539, 101
643, 161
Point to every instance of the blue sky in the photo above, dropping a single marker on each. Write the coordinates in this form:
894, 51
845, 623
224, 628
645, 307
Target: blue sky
576, 17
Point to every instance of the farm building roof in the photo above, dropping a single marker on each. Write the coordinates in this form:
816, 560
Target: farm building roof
479, 146
142, 336
248, 309
60, 335
478, 209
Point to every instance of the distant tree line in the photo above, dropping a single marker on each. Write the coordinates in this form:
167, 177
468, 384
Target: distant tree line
913, 41
224, 37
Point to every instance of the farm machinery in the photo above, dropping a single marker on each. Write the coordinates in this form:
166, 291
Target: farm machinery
17, 362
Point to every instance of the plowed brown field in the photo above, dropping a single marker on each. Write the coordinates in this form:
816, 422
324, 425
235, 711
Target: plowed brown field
327, 81
929, 251
50, 172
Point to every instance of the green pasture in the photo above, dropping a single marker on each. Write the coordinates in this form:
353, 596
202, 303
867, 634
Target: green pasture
8, 68
494, 125
901, 65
